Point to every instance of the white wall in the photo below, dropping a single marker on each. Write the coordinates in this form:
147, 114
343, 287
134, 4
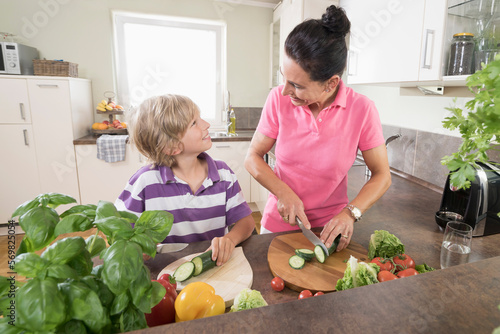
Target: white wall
80, 31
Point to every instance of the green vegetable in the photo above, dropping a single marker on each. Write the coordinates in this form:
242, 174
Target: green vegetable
64, 293
423, 268
203, 262
479, 128
248, 299
296, 262
358, 274
384, 244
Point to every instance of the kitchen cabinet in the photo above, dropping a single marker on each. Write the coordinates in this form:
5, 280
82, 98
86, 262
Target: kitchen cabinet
40, 117
286, 16
233, 154
100, 180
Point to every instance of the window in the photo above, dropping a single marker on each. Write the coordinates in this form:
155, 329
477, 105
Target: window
156, 55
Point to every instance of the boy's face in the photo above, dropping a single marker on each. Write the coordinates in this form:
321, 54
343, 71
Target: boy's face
196, 138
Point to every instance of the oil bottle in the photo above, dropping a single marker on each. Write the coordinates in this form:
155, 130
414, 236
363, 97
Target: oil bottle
232, 123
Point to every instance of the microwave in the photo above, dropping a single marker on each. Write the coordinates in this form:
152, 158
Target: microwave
17, 58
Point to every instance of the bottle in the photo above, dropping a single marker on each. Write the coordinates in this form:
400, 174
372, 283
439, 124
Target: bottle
232, 123
461, 54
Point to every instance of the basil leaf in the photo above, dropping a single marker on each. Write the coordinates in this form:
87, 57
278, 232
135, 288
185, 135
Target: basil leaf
105, 295
56, 199
61, 271
128, 215
131, 319
146, 242
73, 327
114, 228
5, 328
84, 305
25, 207
122, 262
119, 303
76, 222
4, 285
39, 224
30, 264
106, 209
157, 293
82, 263
78, 209
64, 250
141, 289
40, 306
97, 271
24, 246
158, 223
95, 247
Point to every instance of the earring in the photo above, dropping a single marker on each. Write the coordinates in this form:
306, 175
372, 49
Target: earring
327, 90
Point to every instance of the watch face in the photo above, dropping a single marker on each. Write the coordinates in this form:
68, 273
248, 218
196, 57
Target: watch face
356, 213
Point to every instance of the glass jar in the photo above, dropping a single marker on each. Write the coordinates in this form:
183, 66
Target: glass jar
461, 54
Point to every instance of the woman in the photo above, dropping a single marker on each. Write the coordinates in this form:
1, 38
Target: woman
317, 124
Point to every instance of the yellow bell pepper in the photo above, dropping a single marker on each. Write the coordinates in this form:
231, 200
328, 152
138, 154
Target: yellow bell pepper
198, 300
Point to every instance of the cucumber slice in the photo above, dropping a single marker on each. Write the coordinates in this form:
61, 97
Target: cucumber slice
296, 262
320, 254
184, 271
203, 262
305, 253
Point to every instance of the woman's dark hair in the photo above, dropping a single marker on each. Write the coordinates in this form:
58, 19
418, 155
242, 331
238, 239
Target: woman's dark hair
319, 46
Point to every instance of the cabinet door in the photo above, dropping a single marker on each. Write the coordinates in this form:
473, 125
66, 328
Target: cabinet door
14, 102
53, 131
19, 182
233, 154
385, 40
101, 180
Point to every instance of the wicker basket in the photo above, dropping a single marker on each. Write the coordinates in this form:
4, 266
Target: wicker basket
55, 68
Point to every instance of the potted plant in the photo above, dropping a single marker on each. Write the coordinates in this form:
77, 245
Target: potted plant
64, 292
479, 125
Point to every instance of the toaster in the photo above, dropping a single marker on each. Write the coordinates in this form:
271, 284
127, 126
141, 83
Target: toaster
478, 206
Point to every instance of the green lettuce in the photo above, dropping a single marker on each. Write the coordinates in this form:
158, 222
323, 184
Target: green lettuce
384, 244
247, 299
358, 274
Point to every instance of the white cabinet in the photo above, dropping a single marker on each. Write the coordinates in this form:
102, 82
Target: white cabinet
285, 17
100, 180
395, 41
40, 117
233, 153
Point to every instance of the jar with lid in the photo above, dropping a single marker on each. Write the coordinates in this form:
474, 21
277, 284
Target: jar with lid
461, 54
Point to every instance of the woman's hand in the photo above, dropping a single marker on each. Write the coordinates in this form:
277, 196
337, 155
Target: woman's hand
342, 224
289, 206
222, 248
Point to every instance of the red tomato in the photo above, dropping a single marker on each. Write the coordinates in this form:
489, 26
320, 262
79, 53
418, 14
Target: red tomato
407, 272
169, 278
385, 275
403, 262
164, 311
305, 294
319, 293
277, 284
384, 264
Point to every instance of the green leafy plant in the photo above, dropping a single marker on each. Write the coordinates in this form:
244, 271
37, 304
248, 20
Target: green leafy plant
64, 292
479, 127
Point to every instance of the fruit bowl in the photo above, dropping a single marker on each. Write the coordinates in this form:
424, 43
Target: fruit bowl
110, 132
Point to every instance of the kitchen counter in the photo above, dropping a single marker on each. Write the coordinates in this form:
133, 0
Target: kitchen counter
460, 299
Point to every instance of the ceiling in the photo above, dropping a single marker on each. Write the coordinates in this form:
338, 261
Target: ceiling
258, 3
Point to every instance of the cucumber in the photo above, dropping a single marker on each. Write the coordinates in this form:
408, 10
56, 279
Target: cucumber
184, 271
203, 262
305, 253
320, 253
296, 262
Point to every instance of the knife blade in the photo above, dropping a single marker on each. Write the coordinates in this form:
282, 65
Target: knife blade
311, 236
170, 248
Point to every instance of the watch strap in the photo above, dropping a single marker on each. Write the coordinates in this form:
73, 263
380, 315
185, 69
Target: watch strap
355, 212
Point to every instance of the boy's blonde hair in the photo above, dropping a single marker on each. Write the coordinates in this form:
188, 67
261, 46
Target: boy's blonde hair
158, 125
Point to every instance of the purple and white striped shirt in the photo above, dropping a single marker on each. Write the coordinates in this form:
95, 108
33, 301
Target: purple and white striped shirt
218, 203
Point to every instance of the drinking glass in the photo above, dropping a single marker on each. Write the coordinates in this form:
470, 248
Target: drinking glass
456, 245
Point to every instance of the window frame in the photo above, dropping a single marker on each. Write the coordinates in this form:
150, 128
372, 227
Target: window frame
120, 18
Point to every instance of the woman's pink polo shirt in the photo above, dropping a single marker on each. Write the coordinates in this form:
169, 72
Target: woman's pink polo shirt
313, 156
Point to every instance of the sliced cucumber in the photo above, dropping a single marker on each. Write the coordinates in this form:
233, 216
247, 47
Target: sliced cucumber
296, 262
184, 271
203, 262
334, 245
320, 254
305, 253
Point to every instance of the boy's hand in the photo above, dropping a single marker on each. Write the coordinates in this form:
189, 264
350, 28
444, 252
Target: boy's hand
222, 248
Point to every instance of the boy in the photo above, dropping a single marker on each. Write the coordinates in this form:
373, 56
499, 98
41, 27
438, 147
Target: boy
203, 195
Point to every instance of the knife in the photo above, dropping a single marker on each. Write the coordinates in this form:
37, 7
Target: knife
311, 236
170, 248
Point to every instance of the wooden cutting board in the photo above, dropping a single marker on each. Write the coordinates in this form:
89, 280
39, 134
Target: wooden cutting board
314, 276
228, 280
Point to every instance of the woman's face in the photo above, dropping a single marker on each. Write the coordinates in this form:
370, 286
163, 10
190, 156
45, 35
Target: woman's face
299, 87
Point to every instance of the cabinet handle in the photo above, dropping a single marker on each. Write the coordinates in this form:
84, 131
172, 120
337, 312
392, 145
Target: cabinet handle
223, 146
47, 86
25, 134
21, 109
429, 47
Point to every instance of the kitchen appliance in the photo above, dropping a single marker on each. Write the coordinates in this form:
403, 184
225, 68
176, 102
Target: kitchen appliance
17, 58
478, 205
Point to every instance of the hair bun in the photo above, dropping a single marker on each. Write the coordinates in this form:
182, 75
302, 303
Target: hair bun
336, 21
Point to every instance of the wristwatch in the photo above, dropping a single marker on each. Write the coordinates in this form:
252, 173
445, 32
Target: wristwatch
355, 212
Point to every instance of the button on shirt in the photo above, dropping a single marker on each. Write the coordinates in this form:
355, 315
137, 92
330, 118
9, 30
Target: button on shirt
313, 155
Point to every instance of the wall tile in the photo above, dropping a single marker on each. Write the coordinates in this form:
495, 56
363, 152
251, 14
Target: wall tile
401, 151
247, 118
